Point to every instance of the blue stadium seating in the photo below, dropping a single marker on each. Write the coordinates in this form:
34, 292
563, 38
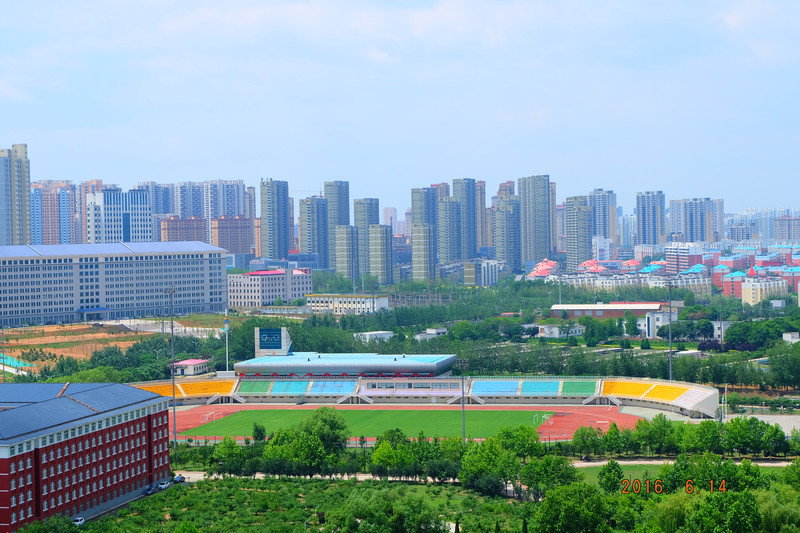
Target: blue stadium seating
540, 388
332, 388
495, 388
289, 388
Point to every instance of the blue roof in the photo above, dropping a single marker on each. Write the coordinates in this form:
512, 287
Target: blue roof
735, 275
107, 249
721, 267
37, 407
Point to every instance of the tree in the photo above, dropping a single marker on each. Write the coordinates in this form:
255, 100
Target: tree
547, 473
329, 426
610, 477
645, 345
631, 324
575, 508
612, 439
522, 440
587, 440
259, 432
487, 466
734, 512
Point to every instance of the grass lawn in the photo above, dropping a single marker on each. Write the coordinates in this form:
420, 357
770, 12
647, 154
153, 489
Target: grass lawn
209, 320
632, 472
371, 423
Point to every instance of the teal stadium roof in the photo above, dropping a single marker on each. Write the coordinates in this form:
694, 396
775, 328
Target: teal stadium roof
349, 364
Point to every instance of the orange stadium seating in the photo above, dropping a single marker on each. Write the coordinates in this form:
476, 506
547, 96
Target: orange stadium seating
630, 389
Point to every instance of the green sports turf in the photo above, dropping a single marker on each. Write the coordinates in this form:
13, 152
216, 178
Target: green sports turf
578, 388
371, 423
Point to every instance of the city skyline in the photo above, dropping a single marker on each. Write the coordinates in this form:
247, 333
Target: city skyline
667, 98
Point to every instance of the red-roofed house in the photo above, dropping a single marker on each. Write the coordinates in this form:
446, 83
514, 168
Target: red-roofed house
191, 367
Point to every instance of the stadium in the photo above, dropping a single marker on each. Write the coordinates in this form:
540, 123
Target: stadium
277, 378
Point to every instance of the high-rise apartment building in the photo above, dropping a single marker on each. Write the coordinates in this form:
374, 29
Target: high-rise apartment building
506, 189
85, 188
380, 253
276, 227
313, 223
223, 198
786, 229
162, 200
553, 233
347, 252
480, 215
441, 190
423, 259
116, 216
174, 229
696, 216
338, 195
450, 227
535, 217
579, 219
390, 218
365, 214
15, 190
53, 219
232, 234
718, 213
188, 200
650, 218
465, 193
604, 214
507, 232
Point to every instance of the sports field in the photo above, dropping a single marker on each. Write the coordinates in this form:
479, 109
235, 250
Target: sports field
373, 422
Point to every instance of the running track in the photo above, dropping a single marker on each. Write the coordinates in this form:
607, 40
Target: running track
560, 426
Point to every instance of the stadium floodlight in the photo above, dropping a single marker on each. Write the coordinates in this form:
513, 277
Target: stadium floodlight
462, 365
171, 291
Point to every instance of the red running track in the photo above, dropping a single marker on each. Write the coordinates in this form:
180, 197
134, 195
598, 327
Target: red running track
560, 426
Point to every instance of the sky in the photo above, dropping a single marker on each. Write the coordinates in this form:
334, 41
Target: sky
692, 98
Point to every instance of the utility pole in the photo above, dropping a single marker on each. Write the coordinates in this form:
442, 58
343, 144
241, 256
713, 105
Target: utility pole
462, 365
171, 291
669, 289
226, 340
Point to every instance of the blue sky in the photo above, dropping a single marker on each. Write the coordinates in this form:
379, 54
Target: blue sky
692, 98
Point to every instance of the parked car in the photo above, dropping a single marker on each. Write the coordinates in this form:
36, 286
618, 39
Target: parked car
164, 484
179, 479
78, 520
149, 490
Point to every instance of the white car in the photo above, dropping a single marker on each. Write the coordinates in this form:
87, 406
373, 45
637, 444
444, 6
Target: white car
78, 520
164, 485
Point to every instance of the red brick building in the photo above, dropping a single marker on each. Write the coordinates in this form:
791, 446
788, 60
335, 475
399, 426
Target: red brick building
77, 449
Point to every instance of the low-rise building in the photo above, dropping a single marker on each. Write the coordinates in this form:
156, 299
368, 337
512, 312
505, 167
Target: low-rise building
263, 287
347, 304
191, 367
367, 336
756, 289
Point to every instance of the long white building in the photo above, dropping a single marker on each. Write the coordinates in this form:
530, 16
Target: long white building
74, 282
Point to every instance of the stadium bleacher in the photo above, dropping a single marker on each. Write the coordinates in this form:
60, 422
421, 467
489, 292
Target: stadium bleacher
578, 388
164, 389
254, 388
625, 389
289, 388
332, 388
667, 393
207, 388
540, 388
495, 388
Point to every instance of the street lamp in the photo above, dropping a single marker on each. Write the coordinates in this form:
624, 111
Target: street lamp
171, 292
462, 365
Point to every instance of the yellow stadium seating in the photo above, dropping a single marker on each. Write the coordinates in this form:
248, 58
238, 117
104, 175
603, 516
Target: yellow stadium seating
164, 389
667, 393
207, 388
629, 389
